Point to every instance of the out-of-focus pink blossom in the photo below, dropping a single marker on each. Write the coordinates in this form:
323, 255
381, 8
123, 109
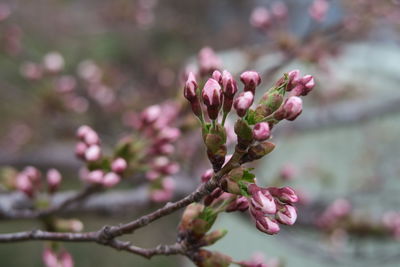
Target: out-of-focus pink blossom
65, 84
53, 180
279, 10
93, 153
31, 71
53, 62
207, 175
208, 61
260, 18
151, 114
95, 177
318, 10
111, 179
119, 165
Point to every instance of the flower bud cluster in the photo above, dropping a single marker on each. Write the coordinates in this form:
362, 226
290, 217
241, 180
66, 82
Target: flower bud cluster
271, 206
264, 19
156, 125
101, 170
29, 181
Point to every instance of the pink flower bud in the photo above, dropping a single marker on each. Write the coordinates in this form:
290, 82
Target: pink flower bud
216, 75
250, 79
207, 175
151, 114
264, 223
212, 93
166, 149
91, 138
190, 88
294, 79
53, 180
152, 175
33, 174
229, 84
95, 177
93, 153
239, 204
65, 84
261, 199
287, 215
119, 165
208, 61
290, 110
111, 179
24, 184
318, 10
261, 131
82, 131
260, 18
243, 102
308, 83
284, 194
80, 150
212, 97
161, 195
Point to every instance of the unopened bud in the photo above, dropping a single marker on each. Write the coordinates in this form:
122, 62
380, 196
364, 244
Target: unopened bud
243, 102
93, 153
205, 258
290, 110
190, 88
212, 97
53, 180
260, 18
213, 237
287, 215
250, 79
216, 75
119, 165
95, 177
260, 150
111, 179
208, 61
80, 150
261, 199
264, 223
207, 175
261, 131
284, 194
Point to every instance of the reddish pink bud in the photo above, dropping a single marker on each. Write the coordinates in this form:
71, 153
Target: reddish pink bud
24, 184
216, 75
243, 102
119, 165
212, 93
240, 203
284, 194
279, 10
151, 114
166, 149
261, 131
318, 10
53, 180
260, 18
308, 83
190, 88
340, 207
229, 84
261, 199
208, 61
294, 79
250, 79
287, 215
95, 177
152, 175
212, 97
264, 223
93, 153
207, 175
111, 179
65, 84
80, 150
290, 110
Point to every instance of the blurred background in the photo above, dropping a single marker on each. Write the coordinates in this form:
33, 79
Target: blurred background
342, 154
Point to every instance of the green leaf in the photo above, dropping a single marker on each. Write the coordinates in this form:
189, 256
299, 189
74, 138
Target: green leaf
248, 176
243, 189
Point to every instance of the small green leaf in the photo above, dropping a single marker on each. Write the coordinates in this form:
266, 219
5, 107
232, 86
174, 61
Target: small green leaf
248, 176
243, 189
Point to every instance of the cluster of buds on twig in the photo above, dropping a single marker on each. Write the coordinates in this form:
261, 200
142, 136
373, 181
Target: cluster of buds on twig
155, 125
100, 170
29, 181
264, 19
52, 258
